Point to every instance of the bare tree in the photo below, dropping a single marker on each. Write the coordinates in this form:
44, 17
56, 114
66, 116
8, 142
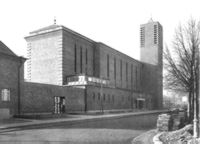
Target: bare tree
180, 63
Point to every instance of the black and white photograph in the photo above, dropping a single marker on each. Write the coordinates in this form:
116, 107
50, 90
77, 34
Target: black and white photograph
99, 72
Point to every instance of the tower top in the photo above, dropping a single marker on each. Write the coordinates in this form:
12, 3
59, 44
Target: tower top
150, 20
55, 20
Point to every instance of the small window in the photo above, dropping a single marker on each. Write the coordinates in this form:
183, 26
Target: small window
98, 96
104, 97
5, 95
94, 96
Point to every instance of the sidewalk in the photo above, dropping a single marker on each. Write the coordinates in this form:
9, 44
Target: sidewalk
21, 123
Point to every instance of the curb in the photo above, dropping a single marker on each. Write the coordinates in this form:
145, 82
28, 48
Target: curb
156, 139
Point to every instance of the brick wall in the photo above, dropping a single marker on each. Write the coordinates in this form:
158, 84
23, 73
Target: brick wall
109, 98
39, 98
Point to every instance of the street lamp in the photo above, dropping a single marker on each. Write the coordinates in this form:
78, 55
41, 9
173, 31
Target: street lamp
196, 93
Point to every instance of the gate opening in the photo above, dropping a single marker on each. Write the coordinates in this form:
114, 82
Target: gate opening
59, 105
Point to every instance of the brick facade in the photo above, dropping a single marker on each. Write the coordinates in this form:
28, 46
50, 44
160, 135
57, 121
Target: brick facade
12, 77
39, 98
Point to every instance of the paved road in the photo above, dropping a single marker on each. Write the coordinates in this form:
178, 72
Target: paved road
111, 131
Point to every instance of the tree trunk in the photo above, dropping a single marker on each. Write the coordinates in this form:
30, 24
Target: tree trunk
190, 106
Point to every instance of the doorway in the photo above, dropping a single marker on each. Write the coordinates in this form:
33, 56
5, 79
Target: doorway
59, 105
140, 103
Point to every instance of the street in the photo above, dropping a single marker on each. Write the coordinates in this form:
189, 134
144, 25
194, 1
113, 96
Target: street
112, 131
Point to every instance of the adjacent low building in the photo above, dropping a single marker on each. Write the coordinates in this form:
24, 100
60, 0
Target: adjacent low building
11, 81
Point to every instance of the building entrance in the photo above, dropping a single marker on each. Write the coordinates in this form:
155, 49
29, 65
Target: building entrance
59, 104
140, 103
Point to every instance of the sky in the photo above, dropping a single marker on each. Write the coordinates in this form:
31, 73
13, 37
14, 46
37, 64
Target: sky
113, 22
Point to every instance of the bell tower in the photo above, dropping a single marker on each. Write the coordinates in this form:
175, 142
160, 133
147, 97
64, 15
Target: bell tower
151, 43
151, 50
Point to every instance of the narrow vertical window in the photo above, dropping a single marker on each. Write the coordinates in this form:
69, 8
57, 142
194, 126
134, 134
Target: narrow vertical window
131, 76
126, 71
81, 60
94, 96
86, 56
155, 34
86, 61
121, 70
108, 66
75, 58
142, 36
104, 97
136, 73
115, 68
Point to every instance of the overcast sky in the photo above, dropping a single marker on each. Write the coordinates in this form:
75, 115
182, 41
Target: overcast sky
113, 22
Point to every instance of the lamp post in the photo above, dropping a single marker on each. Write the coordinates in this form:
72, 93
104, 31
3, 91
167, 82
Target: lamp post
196, 93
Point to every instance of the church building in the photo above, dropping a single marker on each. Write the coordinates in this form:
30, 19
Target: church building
68, 72
107, 79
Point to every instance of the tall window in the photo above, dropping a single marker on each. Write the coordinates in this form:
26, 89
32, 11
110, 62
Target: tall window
155, 34
108, 66
126, 71
136, 74
115, 68
75, 58
5, 95
131, 76
86, 60
86, 56
121, 70
93, 96
81, 63
104, 97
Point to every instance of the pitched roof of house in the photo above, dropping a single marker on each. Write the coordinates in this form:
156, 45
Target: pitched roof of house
4, 49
